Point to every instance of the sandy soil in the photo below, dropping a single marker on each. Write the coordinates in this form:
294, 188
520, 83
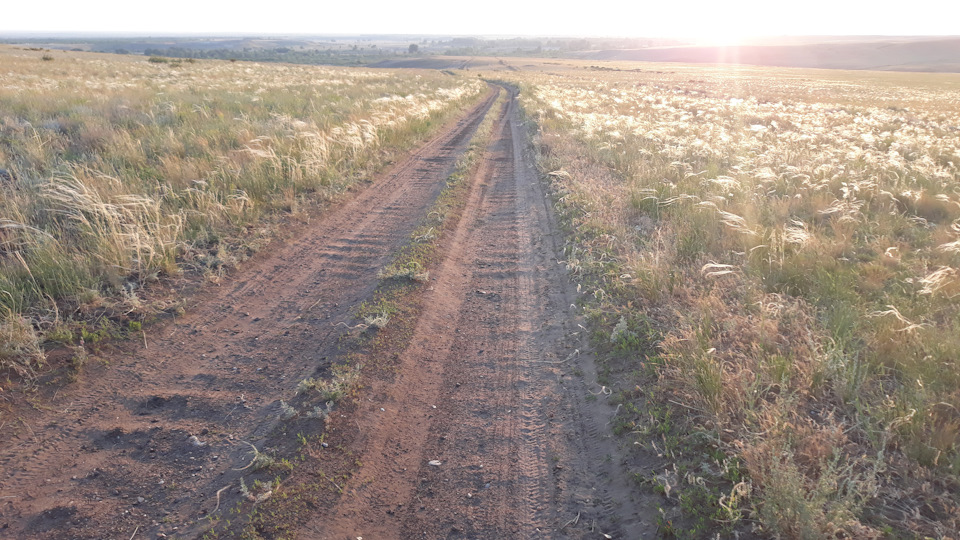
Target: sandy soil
492, 384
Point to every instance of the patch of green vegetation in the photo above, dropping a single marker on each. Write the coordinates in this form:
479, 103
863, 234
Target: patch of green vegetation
379, 305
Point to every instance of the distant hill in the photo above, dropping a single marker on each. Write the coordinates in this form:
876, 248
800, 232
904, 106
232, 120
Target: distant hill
427, 62
890, 54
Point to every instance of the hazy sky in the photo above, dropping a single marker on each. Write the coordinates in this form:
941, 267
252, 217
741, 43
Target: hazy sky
723, 20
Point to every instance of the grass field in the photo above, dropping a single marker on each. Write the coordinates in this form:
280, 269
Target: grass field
778, 252
770, 258
118, 171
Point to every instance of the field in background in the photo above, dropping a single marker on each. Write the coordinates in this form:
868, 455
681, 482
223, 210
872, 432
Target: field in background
118, 171
778, 252
874, 53
888, 53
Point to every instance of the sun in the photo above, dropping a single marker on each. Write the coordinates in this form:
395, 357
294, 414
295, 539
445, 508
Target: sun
720, 39
725, 24
729, 29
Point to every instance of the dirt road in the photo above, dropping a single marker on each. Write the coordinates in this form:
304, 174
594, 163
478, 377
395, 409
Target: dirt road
493, 386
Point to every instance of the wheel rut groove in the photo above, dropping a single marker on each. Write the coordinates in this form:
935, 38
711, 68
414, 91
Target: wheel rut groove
111, 454
486, 388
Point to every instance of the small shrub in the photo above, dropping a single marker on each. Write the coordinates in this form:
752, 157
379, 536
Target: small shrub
286, 411
377, 321
60, 333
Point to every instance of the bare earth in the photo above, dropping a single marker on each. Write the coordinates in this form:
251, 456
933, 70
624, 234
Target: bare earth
493, 385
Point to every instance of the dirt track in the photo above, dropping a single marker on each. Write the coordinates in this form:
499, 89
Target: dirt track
493, 384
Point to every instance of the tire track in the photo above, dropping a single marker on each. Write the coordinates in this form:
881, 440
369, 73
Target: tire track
80, 468
486, 389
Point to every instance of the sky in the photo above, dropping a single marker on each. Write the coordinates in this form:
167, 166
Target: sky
717, 20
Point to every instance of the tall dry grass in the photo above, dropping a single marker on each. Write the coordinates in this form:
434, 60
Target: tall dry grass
116, 172
791, 239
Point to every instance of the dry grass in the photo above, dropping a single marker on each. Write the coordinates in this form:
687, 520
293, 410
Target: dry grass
343, 382
793, 237
20, 350
118, 172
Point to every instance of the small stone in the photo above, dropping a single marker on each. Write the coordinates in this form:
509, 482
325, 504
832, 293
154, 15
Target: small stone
141, 500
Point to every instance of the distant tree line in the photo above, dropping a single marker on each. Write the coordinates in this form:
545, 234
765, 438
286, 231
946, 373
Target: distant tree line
552, 47
351, 56
355, 54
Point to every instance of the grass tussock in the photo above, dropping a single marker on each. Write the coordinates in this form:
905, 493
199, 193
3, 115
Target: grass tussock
343, 381
20, 351
789, 243
116, 172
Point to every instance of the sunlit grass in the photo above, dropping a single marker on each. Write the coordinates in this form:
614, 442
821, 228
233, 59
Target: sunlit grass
117, 172
793, 234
